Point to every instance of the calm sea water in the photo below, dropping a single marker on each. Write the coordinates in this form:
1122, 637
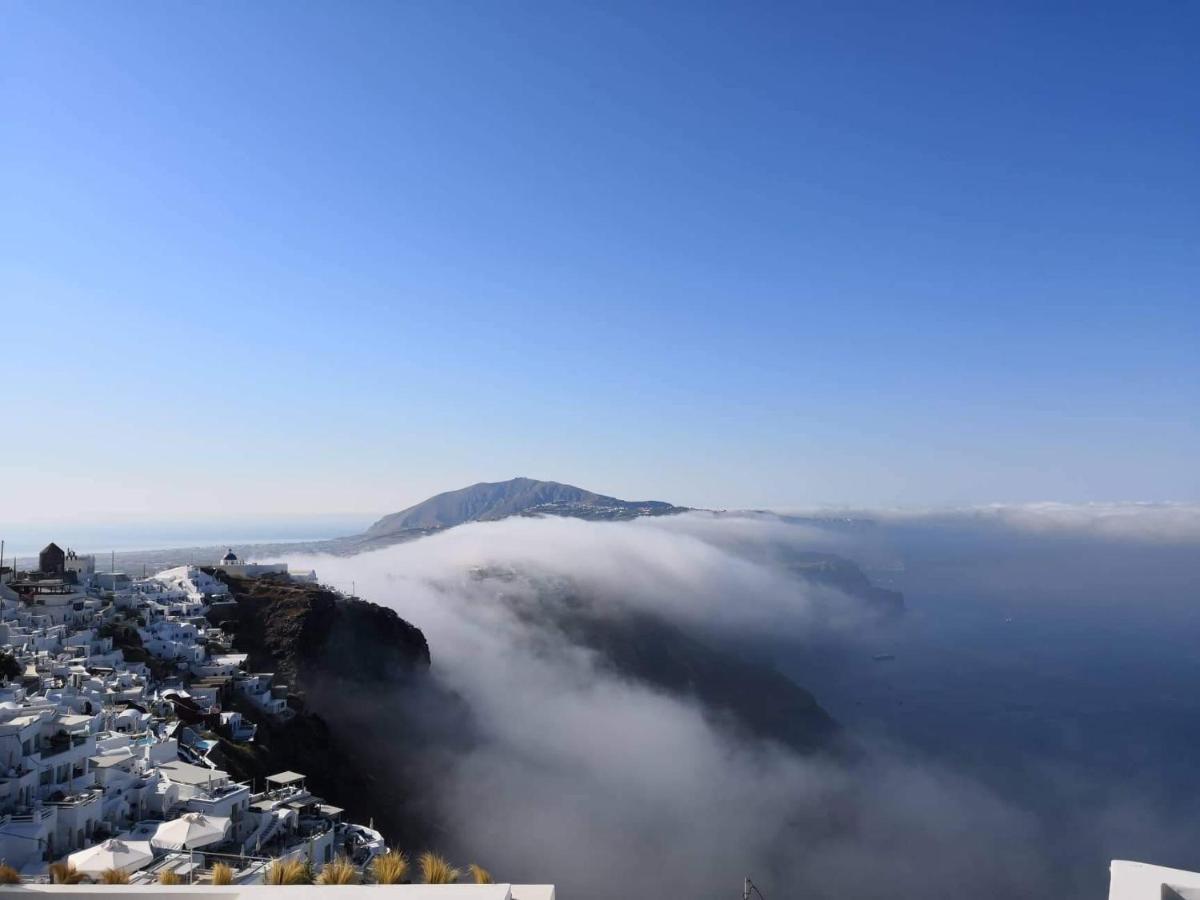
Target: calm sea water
1060, 672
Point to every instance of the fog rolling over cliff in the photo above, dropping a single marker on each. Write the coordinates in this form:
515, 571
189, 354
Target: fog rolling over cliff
601, 748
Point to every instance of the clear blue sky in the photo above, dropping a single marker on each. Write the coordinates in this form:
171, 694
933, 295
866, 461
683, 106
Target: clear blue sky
288, 258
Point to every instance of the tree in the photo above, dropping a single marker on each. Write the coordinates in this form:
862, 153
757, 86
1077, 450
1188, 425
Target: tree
10, 668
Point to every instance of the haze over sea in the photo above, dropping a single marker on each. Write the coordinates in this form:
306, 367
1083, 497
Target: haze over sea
1056, 668
24, 540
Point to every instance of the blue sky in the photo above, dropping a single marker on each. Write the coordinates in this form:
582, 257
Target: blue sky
293, 258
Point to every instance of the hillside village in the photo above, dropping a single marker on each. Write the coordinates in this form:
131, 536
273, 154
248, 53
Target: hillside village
114, 690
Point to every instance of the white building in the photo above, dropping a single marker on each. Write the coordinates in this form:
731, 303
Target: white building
95, 745
83, 566
234, 566
260, 689
188, 582
1142, 881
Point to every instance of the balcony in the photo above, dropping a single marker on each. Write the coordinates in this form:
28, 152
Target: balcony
82, 798
54, 748
32, 814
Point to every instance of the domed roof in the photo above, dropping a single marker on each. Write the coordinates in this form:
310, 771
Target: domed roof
230, 556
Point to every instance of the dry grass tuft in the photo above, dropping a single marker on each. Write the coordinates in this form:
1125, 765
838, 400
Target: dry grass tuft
340, 871
65, 873
166, 876
436, 870
9, 875
289, 871
222, 874
480, 875
390, 868
114, 876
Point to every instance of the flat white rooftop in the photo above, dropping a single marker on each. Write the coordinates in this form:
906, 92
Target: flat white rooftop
1142, 881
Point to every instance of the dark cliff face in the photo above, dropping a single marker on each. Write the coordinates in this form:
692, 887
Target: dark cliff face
734, 690
308, 634
830, 570
747, 694
357, 679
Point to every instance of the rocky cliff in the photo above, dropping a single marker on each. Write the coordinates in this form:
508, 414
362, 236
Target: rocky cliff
833, 571
733, 689
356, 677
307, 634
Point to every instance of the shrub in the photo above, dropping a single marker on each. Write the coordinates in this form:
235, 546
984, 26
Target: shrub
114, 876
10, 668
436, 870
9, 875
65, 873
222, 874
340, 871
289, 871
390, 868
480, 875
166, 876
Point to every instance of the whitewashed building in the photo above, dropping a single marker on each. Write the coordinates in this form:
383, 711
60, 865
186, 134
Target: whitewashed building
1143, 881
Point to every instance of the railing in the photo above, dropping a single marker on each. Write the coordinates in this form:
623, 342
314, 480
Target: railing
34, 815
49, 750
81, 799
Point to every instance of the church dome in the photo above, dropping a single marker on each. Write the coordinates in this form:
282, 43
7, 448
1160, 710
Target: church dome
229, 557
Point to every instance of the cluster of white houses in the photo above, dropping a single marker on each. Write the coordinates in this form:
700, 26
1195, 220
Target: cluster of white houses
99, 758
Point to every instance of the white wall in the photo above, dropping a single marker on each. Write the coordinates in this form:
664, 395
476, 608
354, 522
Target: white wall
1142, 881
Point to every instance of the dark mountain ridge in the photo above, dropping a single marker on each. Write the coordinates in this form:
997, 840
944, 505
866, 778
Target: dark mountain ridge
846, 576
642, 647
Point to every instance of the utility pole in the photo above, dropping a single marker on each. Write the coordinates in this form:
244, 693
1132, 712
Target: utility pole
746, 888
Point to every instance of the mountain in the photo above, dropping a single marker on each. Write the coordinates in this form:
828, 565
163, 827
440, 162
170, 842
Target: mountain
488, 501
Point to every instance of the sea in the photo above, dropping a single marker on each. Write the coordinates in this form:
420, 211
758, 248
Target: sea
1059, 671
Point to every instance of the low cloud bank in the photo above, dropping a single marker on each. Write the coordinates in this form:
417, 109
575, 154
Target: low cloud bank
610, 788
1152, 522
